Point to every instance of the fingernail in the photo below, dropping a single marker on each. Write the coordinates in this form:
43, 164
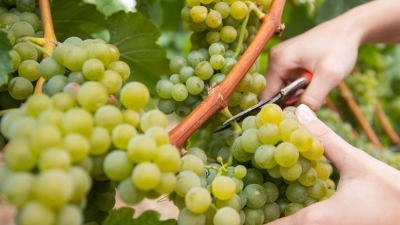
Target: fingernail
305, 114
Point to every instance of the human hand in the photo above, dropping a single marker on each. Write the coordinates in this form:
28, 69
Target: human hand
328, 51
368, 190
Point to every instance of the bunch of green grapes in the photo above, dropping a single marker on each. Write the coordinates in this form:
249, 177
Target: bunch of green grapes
364, 88
20, 19
222, 30
61, 147
273, 169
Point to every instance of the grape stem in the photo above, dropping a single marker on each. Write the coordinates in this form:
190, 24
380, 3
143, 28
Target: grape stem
36, 40
387, 127
218, 96
241, 36
49, 35
253, 7
40, 48
225, 112
351, 102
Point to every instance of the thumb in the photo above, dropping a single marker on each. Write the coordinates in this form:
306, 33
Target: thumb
336, 149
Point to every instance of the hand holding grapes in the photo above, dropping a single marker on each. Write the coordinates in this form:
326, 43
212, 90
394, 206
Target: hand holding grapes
368, 191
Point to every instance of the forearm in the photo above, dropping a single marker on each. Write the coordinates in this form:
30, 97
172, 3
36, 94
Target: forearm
374, 22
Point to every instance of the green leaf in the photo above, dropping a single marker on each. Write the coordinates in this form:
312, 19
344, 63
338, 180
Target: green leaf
76, 18
5, 59
171, 14
124, 216
393, 69
151, 9
333, 8
298, 23
136, 36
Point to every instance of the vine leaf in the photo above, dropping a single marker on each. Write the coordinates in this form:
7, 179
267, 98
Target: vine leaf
135, 36
124, 216
5, 59
332, 8
75, 18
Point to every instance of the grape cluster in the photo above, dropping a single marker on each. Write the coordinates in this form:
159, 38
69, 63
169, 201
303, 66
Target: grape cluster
364, 88
273, 169
69, 150
222, 30
20, 19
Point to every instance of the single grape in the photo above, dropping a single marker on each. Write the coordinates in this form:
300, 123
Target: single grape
134, 95
223, 187
198, 13
228, 34
56, 84
198, 200
17, 188
77, 145
186, 217
29, 69
93, 69
129, 193
153, 118
81, 182
54, 158
21, 29
264, 156
20, 88
92, 95
75, 57
49, 67
77, 120
117, 166
36, 213
226, 216
146, 176
141, 148
167, 183
69, 215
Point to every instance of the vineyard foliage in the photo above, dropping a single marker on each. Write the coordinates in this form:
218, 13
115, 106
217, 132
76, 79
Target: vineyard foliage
151, 33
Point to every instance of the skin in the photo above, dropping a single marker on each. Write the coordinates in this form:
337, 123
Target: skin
329, 50
368, 192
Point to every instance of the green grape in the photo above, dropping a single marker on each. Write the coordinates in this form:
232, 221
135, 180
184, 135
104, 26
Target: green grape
56, 84
75, 57
35, 213
69, 215
166, 106
167, 183
289, 115
121, 134
18, 155
245, 83
17, 188
54, 158
114, 57
213, 19
108, 116
29, 69
49, 67
253, 216
129, 193
240, 171
158, 134
15, 60
256, 195
271, 113
204, 70
8, 119
20, 88
53, 188
287, 127
25, 5
212, 37
21, 29
179, 92
330, 184
121, 68
235, 99
216, 48
186, 180
264, 156
258, 84
309, 202
228, 34
186, 217
275, 172
291, 173
217, 61
238, 10
323, 170
191, 163
269, 134
77, 120
185, 73
117, 166
174, 78
302, 139
222, 8
77, 145
111, 80
185, 14
234, 203
272, 191
296, 192
282, 202
60, 51
198, 13
316, 151
101, 51
318, 190
271, 212
198, 200
176, 63
223, 187
100, 141
92, 95
226, 216
253, 176
229, 64
22, 128
134, 95
238, 152
37, 103
164, 88
93, 69
250, 141
194, 85
153, 118
217, 78
194, 58
292, 208
146, 176
248, 100
81, 182
167, 158
76, 77
73, 40
131, 117
62, 101
141, 148
286, 154
249, 123
8, 19
309, 178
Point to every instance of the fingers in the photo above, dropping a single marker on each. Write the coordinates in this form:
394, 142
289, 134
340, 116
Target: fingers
336, 149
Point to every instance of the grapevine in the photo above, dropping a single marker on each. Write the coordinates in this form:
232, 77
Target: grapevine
86, 110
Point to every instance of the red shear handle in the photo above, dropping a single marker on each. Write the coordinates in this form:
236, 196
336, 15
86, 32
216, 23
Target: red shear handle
294, 99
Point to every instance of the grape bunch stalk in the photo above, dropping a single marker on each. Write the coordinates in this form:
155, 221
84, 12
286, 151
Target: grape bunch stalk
222, 30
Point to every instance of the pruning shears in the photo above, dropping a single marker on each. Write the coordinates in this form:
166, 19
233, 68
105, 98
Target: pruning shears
283, 97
